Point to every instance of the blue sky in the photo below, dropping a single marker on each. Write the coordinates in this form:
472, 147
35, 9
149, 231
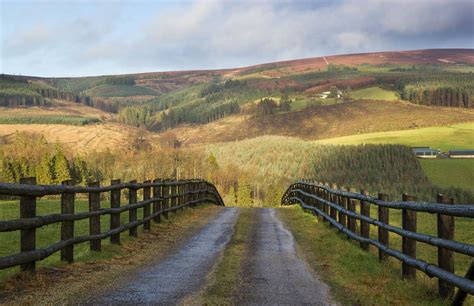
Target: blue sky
78, 38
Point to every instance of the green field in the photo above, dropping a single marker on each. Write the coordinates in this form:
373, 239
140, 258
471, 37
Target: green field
374, 93
459, 136
48, 119
450, 172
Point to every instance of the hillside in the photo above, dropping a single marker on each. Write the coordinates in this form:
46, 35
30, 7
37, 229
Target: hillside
322, 122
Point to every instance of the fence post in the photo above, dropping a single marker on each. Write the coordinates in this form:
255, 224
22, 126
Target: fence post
365, 226
166, 200
383, 215
115, 217
146, 208
408, 245
94, 222
173, 195
28, 236
156, 202
332, 199
343, 204
132, 213
352, 208
445, 256
67, 227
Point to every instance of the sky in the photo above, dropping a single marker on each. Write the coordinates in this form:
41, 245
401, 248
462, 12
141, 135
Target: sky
83, 38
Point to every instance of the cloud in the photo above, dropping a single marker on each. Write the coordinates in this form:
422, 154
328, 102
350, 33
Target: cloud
217, 34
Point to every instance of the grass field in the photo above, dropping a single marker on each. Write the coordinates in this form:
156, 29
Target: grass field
374, 93
450, 172
458, 136
356, 275
65, 119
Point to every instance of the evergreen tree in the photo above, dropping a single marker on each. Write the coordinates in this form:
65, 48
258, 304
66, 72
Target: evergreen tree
44, 172
60, 166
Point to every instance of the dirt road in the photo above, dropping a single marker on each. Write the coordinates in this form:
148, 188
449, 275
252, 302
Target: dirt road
182, 273
274, 274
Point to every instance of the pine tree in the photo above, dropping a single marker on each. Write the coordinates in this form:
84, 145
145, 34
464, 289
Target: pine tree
61, 166
44, 172
244, 194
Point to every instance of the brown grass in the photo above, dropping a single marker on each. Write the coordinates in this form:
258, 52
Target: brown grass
325, 122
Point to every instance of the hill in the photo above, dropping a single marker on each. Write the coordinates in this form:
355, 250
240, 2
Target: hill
327, 121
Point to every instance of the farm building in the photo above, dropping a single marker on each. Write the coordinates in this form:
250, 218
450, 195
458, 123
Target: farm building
425, 152
461, 153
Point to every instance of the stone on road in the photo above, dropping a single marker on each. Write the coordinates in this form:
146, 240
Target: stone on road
274, 273
182, 273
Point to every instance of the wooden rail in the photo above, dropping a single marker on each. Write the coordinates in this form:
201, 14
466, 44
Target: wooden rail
338, 207
159, 198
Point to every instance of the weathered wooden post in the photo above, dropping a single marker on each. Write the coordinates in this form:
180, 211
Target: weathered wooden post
94, 222
28, 236
352, 208
445, 256
146, 208
173, 195
67, 227
408, 245
343, 204
365, 226
383, 215
157, 201
333, 200
166, 200
115, 217
132, 213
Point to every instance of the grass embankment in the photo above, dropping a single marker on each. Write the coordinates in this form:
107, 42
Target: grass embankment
226, 279
374, 93
356, 276
57, 282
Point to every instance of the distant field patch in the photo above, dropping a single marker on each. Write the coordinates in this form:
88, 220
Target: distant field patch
51, 119
450, 172
374, 93
458, 136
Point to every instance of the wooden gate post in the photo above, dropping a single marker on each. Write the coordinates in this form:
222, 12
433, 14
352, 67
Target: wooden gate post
146, 208
365, 226
445, 256
132, 213
94, 222
67, 227
28, 236
383, 215
157, 202
408, 245
115, 217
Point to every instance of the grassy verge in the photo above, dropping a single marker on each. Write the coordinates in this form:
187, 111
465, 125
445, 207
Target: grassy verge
56, 282
226, 279
355, 276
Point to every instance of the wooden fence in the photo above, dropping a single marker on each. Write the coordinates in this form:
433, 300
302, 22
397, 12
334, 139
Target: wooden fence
338, 207
159, 198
